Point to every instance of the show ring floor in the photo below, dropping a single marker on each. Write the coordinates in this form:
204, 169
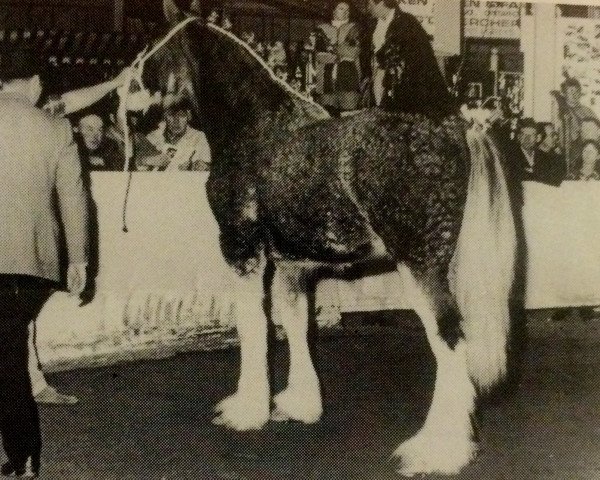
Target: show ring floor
151, 419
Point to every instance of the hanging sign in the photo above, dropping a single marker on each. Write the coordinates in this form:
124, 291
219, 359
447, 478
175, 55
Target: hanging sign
485, 19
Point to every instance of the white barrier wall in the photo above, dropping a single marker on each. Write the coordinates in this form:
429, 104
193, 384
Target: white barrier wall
164, 282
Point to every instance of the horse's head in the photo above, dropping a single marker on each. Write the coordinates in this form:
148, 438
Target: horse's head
226, 82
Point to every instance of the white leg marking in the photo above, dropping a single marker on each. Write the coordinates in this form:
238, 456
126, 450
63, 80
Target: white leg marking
248, 408
445, 442
301, 400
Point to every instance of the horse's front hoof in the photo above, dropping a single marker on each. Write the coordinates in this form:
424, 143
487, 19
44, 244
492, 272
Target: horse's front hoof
297, 406
242, 413
433, 453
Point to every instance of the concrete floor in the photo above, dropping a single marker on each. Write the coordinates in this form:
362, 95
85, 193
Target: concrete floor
151, 420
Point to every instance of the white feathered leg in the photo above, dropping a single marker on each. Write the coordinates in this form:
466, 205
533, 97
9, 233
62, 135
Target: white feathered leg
301, 400
249, 407
445, 442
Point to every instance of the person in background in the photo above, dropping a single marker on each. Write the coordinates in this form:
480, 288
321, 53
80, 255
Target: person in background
250, 38
590, 154
406, 74
182, 147
527, 162
97, 152
226, 23
551, 167
39, 160
572, 116
213, 17
337, 62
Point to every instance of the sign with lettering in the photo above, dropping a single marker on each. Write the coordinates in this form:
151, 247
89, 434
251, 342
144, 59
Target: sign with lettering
485, 19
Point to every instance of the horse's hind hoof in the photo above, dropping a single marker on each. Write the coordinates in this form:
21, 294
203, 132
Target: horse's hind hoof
241, 414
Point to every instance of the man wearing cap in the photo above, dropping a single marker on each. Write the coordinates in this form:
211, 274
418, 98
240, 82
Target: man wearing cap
40, 173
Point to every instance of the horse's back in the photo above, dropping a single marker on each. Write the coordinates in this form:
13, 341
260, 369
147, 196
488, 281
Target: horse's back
332, 185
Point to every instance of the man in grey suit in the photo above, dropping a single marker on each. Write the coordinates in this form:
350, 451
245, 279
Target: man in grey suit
40, 176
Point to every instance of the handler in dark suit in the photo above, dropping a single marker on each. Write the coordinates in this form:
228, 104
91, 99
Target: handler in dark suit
406, 75
38, 163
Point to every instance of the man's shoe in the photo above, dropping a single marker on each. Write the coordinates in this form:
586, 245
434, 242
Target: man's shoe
50, 396
9, 469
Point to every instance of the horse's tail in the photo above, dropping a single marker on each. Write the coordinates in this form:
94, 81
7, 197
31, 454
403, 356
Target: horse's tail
483, 265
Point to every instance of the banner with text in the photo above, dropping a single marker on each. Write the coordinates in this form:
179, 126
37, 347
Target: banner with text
483, 19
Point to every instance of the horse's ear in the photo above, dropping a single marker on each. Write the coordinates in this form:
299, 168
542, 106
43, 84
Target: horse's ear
172, 12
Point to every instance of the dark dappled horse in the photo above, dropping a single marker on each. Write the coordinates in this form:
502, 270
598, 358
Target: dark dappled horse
297, 191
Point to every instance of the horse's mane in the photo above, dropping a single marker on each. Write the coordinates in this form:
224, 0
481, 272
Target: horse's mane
310, 106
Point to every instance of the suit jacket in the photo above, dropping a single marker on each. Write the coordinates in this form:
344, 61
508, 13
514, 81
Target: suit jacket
40, 174
414, 82
548, 167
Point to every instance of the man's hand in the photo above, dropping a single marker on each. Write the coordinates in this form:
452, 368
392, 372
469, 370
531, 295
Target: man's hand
76, 278
160, 161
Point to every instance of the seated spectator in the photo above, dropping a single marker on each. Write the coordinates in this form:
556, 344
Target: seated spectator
226, 23
552, 167
590, 154
97, 152
213, 17
526, 162
296, 84
182, 147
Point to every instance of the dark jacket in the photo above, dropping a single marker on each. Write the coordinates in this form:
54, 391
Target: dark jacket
108, 156
413, 82
548, 167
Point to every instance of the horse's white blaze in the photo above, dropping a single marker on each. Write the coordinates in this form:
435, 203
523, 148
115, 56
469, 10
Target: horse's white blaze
249, 407
301, 400
445, 442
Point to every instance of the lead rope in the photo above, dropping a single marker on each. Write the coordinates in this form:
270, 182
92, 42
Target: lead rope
136, 70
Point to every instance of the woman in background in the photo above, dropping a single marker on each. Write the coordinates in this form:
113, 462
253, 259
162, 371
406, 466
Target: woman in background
337, 62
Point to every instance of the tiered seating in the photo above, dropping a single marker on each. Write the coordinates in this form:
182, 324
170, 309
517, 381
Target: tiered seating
77, 58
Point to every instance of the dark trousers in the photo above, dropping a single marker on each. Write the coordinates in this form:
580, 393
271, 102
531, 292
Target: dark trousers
21, 299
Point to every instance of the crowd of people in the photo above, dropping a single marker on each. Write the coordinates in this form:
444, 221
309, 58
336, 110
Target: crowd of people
566, 148
173, 145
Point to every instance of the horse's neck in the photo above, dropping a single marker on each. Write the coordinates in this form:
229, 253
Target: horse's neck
253, 123
246, 101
